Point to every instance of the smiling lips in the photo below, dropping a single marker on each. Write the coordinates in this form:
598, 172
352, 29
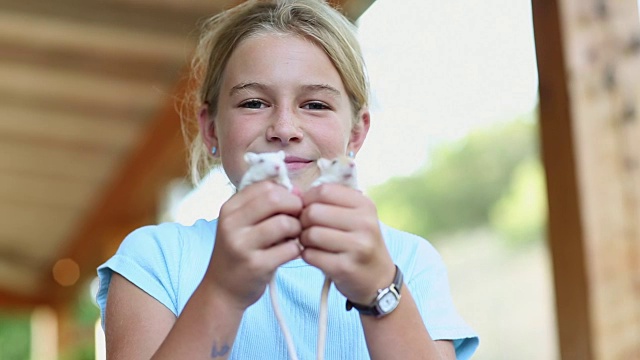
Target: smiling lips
296, 163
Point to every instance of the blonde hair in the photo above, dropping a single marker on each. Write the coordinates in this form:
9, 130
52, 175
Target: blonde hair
314, 20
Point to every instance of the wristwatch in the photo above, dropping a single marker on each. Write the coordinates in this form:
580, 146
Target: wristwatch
385, 302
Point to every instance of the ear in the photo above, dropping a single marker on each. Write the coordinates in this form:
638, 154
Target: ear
359, 130
207, 127
281, 154
251, 158
323, 163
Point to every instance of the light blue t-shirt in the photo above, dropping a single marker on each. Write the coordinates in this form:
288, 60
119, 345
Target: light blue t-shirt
169, 260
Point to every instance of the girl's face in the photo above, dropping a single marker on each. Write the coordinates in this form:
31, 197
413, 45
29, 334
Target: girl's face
281, 92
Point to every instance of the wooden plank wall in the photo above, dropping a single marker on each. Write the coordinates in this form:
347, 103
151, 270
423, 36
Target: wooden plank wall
589, 68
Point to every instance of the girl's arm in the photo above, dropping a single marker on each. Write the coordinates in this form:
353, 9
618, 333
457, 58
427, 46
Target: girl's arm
341, 235
249, 246
138, 326
402, 334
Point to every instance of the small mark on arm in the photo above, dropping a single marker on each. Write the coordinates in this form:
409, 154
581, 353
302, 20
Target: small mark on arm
218, 353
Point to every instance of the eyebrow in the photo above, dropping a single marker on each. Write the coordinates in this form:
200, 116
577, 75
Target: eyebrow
306, 88
322, 88
246, 86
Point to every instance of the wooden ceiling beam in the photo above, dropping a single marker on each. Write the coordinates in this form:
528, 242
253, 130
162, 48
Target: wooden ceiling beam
84, 107
41, 160
352, 9
80, 59
153, 17
64, 128
10, 300
70, 86
17, 223
186, 6
58, 33
47, 192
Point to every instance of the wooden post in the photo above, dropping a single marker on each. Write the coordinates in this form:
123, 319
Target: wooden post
67, 330
588, 55
44, 334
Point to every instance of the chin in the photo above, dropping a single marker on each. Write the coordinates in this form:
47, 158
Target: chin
302, 181
301, 185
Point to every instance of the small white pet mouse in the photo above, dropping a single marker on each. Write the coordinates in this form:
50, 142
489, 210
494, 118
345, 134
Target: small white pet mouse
265, 166
270, 166
341, 170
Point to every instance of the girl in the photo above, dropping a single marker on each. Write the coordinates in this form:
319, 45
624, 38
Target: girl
279, 75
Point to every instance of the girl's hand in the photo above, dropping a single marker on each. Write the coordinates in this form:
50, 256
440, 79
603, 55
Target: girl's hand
254, 229
341, 236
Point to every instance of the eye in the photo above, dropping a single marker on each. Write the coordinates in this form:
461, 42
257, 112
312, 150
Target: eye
334, 162
252, 104
315, 105
260, 161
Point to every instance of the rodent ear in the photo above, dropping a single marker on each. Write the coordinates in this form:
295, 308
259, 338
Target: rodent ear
281, 154
251, 158
323, 163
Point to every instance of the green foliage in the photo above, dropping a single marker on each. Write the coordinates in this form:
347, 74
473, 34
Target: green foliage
463, 182
85, 314
86, 310
15, 336
398, 207
520, 215
82, 351
15, 332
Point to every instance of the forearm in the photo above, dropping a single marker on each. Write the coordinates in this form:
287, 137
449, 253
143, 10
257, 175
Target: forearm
206, 328
401, 334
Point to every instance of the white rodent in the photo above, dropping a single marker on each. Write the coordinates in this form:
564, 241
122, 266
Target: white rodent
270, 166
341, 170
265, 166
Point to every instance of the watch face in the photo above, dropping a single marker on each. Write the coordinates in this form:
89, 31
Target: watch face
388, 302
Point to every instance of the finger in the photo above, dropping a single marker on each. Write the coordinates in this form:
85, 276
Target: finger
330, 263
272, 231
296, 191
257, 190
336, 217
334, 194
260, 201
325, 239
281, 253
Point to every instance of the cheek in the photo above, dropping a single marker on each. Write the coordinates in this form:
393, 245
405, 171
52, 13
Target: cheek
332, 142
236, 135
233, 145
233, 170
337, 133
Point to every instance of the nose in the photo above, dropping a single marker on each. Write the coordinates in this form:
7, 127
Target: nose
284, 127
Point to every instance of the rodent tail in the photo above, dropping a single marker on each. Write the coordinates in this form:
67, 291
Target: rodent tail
322, 318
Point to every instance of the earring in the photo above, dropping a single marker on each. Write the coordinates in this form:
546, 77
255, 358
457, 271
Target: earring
351, 154
214, 150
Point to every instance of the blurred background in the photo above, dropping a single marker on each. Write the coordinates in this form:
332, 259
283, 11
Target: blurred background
90, 148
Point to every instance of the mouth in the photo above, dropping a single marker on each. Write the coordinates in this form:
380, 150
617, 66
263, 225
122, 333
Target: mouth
295, 163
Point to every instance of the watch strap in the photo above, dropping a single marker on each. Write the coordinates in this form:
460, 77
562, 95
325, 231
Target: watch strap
372, 309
